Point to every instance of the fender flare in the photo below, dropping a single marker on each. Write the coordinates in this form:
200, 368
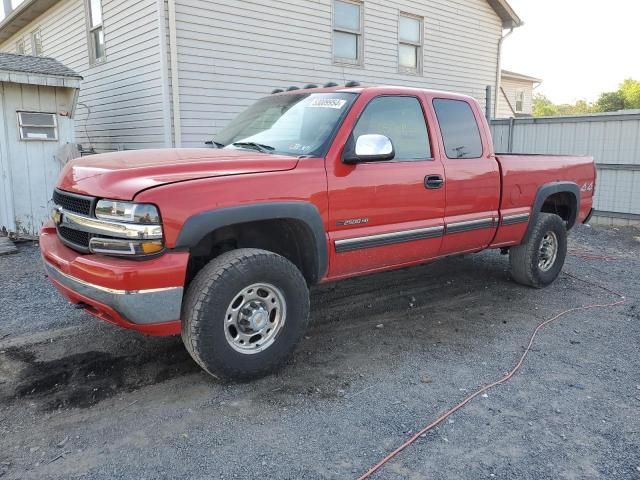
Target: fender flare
544, 192
201, 224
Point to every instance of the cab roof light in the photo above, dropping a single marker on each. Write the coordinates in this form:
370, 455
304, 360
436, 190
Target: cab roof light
276, 90
352, 83
330, 84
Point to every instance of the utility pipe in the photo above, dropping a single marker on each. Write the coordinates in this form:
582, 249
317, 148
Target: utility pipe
498, 71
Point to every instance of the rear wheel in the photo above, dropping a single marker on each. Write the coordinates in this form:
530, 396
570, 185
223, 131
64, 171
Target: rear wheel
244, 313
539, 260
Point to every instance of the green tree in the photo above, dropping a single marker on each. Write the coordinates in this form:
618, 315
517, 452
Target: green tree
630, 91
610, 102
543, 107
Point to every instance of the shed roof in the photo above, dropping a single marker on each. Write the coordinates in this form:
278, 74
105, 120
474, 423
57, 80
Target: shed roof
11, 62
31, 70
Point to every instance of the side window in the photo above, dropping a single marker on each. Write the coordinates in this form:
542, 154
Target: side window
459, 129
402, 120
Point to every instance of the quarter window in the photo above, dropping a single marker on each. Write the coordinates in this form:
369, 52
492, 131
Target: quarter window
410, 44
37, 126
401, 119
459, 129
347, 32
96, 32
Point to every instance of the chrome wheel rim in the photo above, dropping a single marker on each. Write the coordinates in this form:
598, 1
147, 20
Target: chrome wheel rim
548, 251
254, 318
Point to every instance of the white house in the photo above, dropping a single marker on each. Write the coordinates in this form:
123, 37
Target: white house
173, 72
515, 96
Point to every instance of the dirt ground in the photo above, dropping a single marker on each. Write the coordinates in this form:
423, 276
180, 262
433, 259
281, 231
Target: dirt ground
384, 356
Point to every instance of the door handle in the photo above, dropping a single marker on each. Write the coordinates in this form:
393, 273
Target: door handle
432, 182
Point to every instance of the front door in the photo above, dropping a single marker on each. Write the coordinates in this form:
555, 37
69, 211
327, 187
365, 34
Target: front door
384, 214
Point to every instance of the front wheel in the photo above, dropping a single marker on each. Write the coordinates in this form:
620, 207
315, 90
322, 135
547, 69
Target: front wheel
244, 313
539, 260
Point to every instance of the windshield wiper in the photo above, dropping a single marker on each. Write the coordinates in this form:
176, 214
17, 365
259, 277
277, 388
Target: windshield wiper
213, 142
255, 146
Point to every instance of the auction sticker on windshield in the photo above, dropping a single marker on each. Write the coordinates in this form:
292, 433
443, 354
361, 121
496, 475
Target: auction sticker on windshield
336, 103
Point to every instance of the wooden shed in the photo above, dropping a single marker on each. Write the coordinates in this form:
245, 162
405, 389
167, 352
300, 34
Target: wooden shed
37, 100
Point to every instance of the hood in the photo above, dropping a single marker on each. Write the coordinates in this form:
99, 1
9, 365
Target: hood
121, 175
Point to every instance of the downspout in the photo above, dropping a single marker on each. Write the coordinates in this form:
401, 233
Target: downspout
164, 73
498, 71
175, 83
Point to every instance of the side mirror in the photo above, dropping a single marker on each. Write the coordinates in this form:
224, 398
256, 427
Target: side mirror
369, 148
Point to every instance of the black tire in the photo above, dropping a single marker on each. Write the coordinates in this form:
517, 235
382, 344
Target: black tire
524, 259
210, 295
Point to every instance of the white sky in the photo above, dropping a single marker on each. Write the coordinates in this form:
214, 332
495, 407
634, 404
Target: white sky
580, 48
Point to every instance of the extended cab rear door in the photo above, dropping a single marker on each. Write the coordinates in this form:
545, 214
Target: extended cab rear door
383, 214
472, 176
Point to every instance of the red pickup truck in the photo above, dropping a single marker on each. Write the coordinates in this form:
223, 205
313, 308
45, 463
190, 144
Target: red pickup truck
306, 186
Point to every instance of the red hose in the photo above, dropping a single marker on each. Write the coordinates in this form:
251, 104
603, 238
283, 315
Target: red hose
502, 380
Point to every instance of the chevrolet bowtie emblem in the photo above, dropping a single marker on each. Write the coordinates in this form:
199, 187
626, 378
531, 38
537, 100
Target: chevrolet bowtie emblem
56, 215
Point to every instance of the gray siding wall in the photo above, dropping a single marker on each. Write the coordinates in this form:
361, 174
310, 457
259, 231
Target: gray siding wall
232, 53
121, 101
612, 139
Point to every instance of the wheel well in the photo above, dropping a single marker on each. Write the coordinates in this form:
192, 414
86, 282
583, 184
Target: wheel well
563, 204
287, 237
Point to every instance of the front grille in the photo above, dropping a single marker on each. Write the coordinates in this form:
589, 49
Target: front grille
73, 203
81, 239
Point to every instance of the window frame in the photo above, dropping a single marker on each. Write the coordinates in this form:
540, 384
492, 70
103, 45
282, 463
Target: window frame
22, 125
475, 119
419, 46
36, 40
359, 34
431, 158
91, 29
519, 98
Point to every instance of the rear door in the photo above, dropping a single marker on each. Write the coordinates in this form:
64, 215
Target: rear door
472, 174
381, 214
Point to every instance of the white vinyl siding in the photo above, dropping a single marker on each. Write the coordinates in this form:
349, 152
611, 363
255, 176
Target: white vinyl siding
230, 54
121, 101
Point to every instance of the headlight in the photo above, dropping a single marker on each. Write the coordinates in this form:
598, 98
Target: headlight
141, 213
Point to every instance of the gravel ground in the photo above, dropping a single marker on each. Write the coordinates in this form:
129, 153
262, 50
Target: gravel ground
385, 355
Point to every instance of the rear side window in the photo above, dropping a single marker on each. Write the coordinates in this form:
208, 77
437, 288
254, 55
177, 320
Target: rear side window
401, 119
459, 128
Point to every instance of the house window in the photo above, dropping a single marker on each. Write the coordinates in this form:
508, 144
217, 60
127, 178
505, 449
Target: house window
20, 48
410, 44
37, 126
96, 32
347, 32
36, 43
519, 101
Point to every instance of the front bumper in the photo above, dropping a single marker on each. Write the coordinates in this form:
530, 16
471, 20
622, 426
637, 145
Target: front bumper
140, 295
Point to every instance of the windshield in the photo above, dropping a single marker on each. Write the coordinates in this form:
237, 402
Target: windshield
293, 124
